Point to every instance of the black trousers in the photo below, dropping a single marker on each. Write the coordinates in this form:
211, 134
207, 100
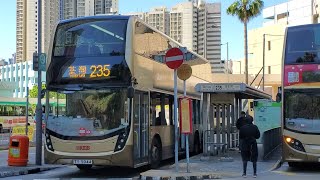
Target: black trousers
245, 167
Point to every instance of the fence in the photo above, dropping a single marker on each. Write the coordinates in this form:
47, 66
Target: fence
217, 142
270, 140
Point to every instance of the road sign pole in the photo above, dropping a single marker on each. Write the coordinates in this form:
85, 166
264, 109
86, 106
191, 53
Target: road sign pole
174, 58
176, 119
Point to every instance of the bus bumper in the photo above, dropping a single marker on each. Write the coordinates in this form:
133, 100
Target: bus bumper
121, 158
292, 155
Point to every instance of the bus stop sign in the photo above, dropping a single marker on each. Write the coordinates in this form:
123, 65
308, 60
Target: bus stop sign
174, 58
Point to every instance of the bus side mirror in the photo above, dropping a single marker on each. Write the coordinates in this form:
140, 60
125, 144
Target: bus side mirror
43, 93
130, 92
278, 97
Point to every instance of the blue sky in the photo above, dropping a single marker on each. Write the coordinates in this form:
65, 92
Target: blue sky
232, 29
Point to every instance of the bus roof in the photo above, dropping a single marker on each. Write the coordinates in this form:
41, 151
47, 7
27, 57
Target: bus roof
120, 17
192, 61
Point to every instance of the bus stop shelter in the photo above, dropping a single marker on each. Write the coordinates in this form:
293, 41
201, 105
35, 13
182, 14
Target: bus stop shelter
221, 104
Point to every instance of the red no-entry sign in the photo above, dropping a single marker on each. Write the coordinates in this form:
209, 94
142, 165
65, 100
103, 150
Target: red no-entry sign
174, 58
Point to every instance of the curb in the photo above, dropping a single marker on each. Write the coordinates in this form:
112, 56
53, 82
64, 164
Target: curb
277, 165
191, 177
31, 170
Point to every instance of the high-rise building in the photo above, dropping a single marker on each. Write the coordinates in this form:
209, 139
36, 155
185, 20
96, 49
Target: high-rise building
159, 18
78, 8
195, 24
21, 30
52, 12
183, 24
209, 34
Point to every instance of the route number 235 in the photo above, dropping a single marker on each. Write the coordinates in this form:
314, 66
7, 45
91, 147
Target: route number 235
100, 71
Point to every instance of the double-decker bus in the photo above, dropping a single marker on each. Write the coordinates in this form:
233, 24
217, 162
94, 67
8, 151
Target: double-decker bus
118, 93
301, 95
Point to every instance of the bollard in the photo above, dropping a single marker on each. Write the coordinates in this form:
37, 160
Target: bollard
18, 150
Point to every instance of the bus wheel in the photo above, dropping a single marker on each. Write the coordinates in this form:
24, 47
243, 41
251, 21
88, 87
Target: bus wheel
196, 144
294, 164
156, 152
84, 167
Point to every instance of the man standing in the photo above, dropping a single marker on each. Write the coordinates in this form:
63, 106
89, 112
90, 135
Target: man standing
249, 149
242, 120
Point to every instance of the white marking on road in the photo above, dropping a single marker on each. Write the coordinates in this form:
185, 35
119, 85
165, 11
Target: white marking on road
174, 58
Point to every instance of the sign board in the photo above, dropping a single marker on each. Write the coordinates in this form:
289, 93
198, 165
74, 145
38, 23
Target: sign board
185, 115
21, 130
42, 62
174, 58
267, 115
220, 87
184, 72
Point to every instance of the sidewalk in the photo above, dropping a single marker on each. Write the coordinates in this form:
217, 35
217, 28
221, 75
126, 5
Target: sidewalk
213, 167
7, 171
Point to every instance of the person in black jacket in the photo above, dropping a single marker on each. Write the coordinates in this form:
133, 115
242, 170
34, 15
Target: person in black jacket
249, 149
240, 122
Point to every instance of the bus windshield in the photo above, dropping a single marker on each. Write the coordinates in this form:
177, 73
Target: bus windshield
89, 51
303, 45
88, 113
302, 112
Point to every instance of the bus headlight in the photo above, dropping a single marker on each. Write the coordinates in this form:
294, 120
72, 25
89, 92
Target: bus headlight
121, 141
48, 142
294, 143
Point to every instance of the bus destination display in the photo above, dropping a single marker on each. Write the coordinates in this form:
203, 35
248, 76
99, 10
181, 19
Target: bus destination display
89, 71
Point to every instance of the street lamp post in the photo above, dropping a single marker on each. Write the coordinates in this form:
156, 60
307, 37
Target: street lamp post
227, 43
263, 60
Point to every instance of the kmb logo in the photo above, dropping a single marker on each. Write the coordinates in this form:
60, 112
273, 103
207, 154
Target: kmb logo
83, 148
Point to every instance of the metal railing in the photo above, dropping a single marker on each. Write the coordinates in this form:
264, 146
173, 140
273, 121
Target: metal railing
270, 140
212, 147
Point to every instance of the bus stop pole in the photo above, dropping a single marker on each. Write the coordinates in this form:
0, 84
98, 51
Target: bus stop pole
187, 135
39, 113
27, 110
176, 119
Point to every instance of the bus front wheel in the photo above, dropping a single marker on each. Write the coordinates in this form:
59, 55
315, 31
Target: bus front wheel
156, 152
84, 167
294, 164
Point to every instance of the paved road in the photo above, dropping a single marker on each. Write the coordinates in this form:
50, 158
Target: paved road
72, 172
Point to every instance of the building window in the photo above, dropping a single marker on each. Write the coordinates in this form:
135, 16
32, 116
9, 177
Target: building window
269, 69
269, 45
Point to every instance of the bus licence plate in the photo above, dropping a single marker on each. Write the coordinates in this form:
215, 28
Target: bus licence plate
82, 161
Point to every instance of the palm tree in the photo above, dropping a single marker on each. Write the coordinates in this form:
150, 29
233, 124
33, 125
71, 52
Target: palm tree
245, 10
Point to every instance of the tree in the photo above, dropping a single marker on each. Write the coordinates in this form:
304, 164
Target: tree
245, 10
33, 93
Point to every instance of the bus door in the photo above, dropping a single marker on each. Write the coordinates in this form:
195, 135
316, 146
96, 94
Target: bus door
141, 128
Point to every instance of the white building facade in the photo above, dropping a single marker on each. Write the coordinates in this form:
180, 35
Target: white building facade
21, 74
292, 13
